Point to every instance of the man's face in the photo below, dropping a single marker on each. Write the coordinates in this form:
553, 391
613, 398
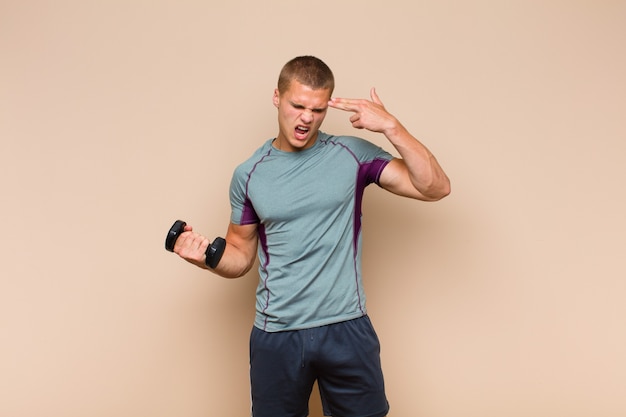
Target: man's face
301, 111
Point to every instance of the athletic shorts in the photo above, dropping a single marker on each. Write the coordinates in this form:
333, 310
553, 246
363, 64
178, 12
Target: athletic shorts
343, 358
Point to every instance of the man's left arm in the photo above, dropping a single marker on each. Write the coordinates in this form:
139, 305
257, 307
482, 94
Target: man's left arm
417, 174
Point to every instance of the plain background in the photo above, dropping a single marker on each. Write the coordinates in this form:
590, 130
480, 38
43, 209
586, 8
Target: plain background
118, 117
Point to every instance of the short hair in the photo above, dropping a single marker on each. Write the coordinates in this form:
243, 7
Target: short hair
307, 70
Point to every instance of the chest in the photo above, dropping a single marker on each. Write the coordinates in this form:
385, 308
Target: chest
283, 190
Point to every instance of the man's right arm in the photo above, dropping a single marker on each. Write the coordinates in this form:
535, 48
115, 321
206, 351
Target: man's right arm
239, 255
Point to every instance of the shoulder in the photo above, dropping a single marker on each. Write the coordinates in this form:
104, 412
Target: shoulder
348, 141
255, 157
361, 148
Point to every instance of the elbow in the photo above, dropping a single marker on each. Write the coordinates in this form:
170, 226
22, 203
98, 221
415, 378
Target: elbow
233, 273
446, 190
442, 195
438, 192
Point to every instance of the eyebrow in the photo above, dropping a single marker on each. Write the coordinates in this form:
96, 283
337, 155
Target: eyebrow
300, 106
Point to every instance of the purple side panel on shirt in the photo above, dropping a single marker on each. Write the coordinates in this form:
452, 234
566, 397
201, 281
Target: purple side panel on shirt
369, 172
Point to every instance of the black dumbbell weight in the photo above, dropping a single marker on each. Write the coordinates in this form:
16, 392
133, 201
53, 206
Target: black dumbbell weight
213, 253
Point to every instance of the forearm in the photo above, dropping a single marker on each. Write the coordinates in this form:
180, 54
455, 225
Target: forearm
235, 262
240, 252
424, 171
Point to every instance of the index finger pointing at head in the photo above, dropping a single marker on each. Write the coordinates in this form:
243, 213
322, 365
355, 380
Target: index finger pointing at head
342, 104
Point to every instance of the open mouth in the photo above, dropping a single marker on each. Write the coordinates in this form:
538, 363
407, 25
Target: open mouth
301, 132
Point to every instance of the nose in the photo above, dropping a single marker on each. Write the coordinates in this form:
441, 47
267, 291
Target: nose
307, 116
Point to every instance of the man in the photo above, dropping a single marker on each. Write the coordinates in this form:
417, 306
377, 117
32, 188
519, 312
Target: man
296, 204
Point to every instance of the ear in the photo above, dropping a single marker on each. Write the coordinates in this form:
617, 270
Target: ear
276, 98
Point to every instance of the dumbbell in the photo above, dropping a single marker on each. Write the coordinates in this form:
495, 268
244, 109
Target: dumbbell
213, 253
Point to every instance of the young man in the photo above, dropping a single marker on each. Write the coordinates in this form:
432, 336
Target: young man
296, 204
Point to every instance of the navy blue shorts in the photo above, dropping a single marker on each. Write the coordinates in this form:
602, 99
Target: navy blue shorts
343, 358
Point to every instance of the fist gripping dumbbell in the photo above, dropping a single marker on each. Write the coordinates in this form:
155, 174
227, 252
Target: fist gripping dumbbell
213, 253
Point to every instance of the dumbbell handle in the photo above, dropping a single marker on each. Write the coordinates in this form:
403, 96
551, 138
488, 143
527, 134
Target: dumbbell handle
213, 253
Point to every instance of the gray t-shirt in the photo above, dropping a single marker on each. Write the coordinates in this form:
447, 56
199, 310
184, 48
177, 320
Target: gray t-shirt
307, 205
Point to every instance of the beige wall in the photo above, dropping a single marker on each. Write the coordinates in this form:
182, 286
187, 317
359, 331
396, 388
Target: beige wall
117, 117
